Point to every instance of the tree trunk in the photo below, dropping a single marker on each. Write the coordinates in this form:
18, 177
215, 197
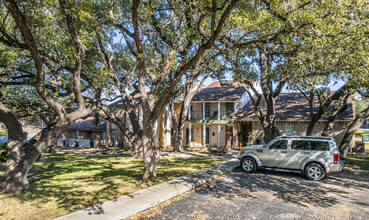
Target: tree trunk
271, 130
337, 110
270, 133
178, 128
315, 117
150, 153
14, 181
351, 130
312, 124
16, 174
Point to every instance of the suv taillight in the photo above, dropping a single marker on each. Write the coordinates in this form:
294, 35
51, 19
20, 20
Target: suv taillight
336, 158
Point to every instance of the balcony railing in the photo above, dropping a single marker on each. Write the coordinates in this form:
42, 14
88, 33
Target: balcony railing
212, 115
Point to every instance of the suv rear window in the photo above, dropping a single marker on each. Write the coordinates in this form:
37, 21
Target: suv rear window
300, 145
320, 145
310, 145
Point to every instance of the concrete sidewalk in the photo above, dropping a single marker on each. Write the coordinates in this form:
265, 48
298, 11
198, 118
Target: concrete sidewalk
130, 204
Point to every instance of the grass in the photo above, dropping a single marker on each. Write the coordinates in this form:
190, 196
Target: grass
360, 162
62, 184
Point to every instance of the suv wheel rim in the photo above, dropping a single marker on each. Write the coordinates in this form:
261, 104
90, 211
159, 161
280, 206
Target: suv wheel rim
315, 172
248, 165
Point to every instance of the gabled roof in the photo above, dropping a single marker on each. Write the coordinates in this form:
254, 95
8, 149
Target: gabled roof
88, 125
136, 100
292, 107
218, 92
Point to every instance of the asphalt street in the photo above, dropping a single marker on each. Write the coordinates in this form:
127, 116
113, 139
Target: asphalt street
271, 195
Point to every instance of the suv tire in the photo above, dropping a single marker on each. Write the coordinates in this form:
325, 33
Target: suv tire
248, 165
314, 171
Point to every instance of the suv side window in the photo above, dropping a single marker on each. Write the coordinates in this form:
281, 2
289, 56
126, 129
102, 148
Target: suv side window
300, 145
282, 144
320, 145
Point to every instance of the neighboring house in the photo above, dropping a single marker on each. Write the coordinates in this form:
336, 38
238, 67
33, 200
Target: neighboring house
84, 133
292, 118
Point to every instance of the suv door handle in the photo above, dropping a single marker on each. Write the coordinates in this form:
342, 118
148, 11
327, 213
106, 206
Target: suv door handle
284, 152
306, 152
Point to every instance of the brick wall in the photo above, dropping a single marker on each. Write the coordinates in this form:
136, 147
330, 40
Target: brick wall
299, 128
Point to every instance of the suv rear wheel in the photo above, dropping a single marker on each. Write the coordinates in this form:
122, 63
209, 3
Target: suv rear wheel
314, 171
248, 165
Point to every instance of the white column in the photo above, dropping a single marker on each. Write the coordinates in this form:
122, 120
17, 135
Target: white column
189, 135
204, 135
167, 126
155, 133
203, 111
189, 112
219, 125
234, 136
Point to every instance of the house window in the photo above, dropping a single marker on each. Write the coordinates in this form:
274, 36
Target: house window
207, 110
288, 129
229, 108
113, 133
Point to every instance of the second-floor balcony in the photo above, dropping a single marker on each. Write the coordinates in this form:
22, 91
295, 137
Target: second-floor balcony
212, 115
211, 111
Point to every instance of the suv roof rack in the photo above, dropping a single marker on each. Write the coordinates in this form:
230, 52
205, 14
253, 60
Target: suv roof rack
308, 137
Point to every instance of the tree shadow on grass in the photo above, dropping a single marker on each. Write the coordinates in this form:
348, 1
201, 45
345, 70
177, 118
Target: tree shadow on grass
84, 182
78, 184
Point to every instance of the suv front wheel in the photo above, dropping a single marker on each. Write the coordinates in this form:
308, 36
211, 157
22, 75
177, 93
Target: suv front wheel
248, 165
314, 171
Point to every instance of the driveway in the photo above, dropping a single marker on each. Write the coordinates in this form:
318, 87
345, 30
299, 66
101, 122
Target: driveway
271, 194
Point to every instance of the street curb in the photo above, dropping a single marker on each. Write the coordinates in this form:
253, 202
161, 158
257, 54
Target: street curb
355, 171
139, 201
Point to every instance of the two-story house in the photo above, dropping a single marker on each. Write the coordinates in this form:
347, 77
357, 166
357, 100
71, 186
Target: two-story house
210, 115
221, 115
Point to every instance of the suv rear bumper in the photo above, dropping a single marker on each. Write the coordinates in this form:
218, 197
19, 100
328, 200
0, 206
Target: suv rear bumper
336, 167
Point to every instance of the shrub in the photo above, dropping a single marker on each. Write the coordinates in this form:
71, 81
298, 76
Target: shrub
3, 155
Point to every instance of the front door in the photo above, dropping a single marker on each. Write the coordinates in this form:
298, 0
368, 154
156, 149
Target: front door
276, 155
207, 133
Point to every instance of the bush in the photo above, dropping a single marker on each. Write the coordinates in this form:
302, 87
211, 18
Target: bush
3, 146
3, 155
3, 152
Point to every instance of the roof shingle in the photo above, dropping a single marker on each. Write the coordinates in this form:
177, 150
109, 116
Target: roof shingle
292, 106
216, 92
88, 125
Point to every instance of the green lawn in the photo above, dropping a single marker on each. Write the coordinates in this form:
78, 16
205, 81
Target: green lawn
360, 162
65, 183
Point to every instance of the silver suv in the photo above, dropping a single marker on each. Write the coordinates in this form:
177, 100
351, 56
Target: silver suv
313, 156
